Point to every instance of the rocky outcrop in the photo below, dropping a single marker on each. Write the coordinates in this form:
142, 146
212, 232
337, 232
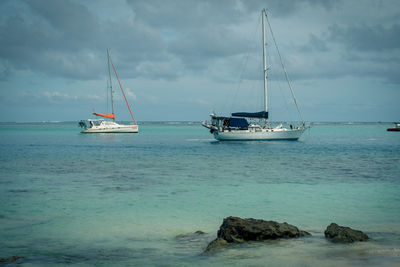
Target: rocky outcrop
235, 229
238, 230
342, 234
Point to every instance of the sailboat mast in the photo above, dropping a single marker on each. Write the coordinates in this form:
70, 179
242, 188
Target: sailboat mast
264, 61
109, 76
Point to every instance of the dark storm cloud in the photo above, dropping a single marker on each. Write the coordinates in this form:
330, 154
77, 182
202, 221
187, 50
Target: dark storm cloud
49, 39
288, 7
373, 49
204, 31
315, 43
186, 15
53, 52
39, 48
169, 39
198, 49
72, 21
198, 32
366, 37
65, 38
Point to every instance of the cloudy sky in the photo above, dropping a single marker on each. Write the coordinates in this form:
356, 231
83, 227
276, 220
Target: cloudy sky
182, 59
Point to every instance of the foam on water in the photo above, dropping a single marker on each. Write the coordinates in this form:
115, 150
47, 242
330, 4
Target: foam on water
71, 198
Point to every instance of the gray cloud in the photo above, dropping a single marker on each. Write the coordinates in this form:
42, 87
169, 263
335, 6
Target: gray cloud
373, 50
172, 39
315, 43
72, 21
288, 7
66, 39
180, 51
367, 38
48, 42
197, 49
186, 15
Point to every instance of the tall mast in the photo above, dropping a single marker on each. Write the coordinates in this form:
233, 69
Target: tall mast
109, 76
264, 62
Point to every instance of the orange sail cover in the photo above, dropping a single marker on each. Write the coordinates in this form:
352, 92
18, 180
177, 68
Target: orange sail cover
110, 116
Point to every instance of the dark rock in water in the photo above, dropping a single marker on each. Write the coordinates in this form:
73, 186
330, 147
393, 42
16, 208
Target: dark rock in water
342, 234
191, 235
304, 233
234, 229
216, 243
238, 230
10, 259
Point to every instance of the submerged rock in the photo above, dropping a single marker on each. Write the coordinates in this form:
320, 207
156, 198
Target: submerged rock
216, 243
342, 234
235, 229
238, 230
10, 259
191, 235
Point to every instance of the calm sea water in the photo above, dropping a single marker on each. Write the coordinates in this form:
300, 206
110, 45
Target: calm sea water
122, 199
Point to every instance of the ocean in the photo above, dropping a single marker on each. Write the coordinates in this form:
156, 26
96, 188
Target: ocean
75, 199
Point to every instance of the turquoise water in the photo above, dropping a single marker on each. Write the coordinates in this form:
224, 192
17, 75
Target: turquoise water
122, 199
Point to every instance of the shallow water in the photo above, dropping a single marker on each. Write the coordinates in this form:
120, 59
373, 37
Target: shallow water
122, 199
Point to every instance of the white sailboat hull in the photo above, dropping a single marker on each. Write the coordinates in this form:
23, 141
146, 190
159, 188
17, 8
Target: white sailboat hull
115, 130
265, 134
112, 127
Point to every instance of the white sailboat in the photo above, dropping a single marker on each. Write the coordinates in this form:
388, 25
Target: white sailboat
109, 126
237, 127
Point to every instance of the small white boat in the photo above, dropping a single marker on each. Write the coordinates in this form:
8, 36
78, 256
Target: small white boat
106, 126
237, 126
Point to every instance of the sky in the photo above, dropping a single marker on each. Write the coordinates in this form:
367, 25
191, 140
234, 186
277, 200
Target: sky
180, 60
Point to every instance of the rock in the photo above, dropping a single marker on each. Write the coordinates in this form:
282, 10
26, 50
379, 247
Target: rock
216, 243
238, 230
10, 259
342, 234
304, 233
235, 229
194, 235
193, 240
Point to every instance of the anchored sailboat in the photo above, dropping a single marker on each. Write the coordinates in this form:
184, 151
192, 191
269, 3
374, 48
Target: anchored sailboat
237, 127
107, 126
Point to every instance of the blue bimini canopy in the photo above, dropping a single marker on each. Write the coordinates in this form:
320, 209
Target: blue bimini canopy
261, 114
238, 122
